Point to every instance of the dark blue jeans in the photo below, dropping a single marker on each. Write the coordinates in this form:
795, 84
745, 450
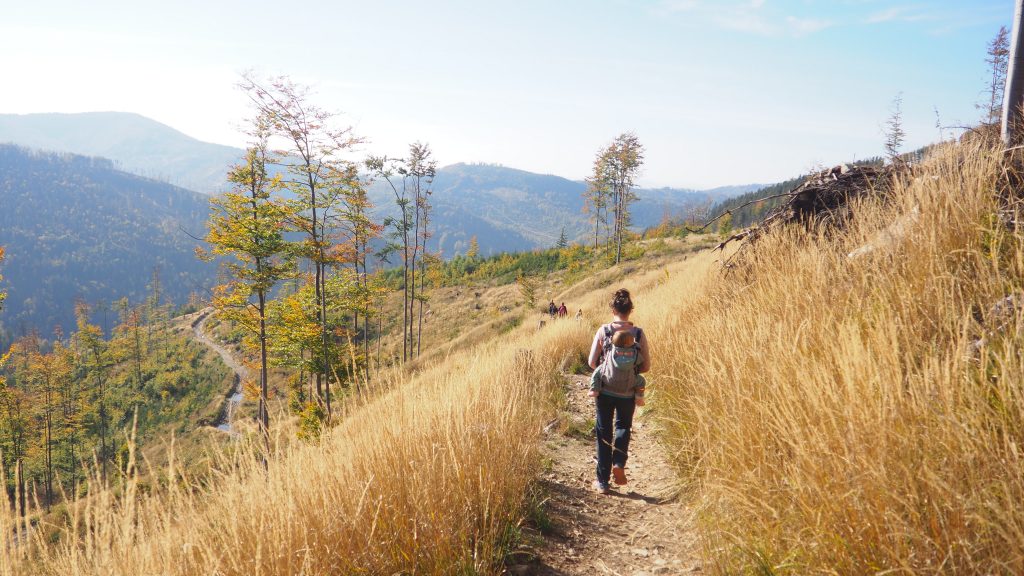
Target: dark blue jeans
613, 451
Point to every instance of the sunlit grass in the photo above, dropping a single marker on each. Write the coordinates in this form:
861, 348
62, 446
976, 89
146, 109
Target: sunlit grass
831, 415
430, 476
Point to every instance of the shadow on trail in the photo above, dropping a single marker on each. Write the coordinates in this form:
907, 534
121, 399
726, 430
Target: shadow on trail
652, 500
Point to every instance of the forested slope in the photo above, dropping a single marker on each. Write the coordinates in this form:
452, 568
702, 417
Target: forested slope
135, 143
76, 228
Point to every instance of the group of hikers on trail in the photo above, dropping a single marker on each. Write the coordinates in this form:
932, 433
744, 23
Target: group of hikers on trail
557, 311
561, 311
619, 354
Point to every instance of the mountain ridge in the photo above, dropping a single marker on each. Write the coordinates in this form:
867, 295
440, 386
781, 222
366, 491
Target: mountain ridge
150, 148
136, 143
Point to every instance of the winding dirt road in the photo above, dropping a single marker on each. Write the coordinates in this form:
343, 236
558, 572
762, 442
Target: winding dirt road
229, 359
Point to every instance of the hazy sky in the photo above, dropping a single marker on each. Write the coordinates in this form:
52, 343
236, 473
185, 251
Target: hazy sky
720, 92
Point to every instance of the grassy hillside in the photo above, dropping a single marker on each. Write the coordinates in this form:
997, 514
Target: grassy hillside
825, 413
859, 415
408, 482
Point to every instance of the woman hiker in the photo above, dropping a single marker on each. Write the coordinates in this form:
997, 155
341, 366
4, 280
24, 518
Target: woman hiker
615, 405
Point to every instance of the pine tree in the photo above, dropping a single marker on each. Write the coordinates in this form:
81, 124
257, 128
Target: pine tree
563, 241
528, 288
894, 133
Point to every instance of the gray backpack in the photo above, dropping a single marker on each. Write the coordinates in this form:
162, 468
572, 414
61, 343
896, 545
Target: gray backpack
619, 365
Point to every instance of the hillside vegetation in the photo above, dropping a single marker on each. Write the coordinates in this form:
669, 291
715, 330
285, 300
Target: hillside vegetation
427, 472
135, 143
854, 415
65, 403
412, 482
825, 413
75, 228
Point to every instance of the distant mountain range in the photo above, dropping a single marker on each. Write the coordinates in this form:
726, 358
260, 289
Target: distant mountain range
78, 226
134, 143
506, 209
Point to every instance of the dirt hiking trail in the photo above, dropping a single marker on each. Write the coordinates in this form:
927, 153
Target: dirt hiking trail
636, 530
230, 359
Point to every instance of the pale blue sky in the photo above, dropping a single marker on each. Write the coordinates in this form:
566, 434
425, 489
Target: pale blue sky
720, 92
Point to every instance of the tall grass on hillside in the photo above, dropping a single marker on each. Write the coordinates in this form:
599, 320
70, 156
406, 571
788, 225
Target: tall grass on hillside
430, 477
839, 415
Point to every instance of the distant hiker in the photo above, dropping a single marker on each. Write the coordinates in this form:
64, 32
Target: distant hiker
579, 315
552, 309
563, 311
617, 399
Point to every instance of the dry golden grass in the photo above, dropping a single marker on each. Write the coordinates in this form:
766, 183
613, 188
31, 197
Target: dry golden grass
427, 477
830, 414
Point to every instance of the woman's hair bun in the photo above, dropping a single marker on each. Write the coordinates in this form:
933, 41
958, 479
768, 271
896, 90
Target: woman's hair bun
621, 301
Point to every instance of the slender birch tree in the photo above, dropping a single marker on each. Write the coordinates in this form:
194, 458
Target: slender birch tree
247, 225
312, 158
411, 180
615, 170
596, 197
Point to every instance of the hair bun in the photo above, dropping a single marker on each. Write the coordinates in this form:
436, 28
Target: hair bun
621, 301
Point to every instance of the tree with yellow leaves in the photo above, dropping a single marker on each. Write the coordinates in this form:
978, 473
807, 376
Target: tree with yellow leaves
247, 226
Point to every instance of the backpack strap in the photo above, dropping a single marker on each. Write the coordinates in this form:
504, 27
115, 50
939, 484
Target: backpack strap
606, 344
636, 344
608, 333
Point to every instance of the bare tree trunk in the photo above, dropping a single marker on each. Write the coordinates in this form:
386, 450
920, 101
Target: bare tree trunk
380, 331
1014, 95
326, 350
415, 252
49, 447
406, 303
423, 276
264, 412
618, 222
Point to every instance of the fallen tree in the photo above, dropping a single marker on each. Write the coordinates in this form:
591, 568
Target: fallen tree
822, 198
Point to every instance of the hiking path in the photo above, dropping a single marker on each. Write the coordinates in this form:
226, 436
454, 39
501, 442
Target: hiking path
639, 529
230, 359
